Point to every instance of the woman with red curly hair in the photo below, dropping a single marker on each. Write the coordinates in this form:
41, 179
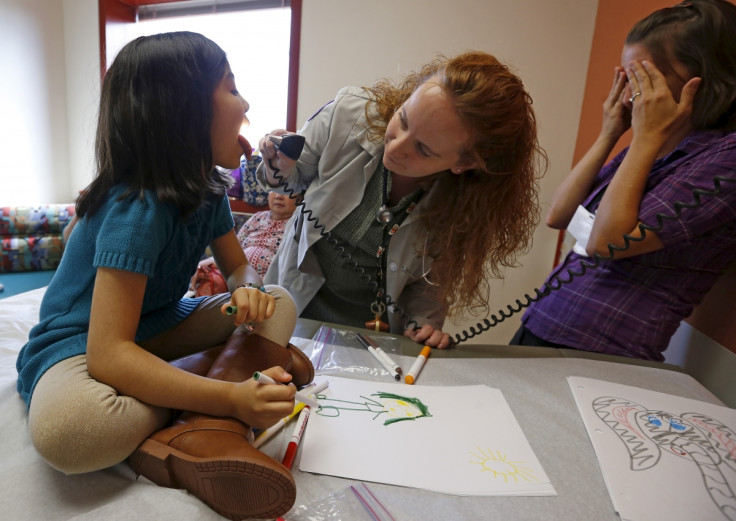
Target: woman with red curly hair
428, 188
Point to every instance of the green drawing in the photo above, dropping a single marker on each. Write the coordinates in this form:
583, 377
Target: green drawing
397, 407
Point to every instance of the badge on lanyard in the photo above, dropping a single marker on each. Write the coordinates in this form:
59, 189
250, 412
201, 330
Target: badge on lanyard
580, 227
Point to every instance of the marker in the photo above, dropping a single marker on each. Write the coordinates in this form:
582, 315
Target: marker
264, 436
384, 355
233, 310
417, 365
372, 350
296, 437
267, 434
265, 379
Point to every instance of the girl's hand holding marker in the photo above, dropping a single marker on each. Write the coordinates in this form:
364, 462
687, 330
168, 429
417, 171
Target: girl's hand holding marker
307, 400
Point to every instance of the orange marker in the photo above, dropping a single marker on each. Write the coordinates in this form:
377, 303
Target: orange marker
417, 366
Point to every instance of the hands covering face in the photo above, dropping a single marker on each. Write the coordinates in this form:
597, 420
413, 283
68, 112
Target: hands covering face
655, 108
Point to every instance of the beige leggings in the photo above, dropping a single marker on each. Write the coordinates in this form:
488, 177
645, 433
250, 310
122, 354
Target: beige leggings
81, 425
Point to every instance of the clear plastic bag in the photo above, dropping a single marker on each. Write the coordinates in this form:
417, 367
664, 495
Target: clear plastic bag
330, 356
355, 502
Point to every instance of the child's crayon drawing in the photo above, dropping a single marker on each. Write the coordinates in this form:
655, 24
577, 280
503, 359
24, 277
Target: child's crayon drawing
649, 434
663, 457
396, 407
501, 467
428, 437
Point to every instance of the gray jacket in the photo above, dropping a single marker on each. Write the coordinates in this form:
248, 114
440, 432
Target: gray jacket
337, 162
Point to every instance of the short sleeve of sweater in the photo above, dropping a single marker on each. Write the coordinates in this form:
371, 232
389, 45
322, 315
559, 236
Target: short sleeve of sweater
223, 222
135, 231
692, 184
132, 234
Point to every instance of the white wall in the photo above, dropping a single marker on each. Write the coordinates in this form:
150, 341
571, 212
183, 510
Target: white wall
352, 42
82, 54
34, 163
705, 360
50, 49
48, 98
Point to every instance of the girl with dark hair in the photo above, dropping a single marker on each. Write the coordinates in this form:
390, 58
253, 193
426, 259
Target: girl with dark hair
676, 89
95, 372
437, 174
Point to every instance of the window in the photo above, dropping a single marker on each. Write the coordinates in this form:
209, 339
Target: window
256, 36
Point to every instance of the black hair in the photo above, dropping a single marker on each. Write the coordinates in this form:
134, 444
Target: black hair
153, 130
701, 35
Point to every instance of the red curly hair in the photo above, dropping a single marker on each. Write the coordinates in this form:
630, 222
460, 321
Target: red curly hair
482, 219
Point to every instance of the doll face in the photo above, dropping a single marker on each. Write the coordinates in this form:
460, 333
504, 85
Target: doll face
425, 135
228, 116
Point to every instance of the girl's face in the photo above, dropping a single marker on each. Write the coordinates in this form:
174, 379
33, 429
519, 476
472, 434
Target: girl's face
676, 74
228, 116
425, 135
282, 206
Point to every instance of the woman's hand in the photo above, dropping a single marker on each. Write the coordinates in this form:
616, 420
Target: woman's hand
655, 114
253, 305
262, 405
272, 158
429, 336
616, 114
577, 185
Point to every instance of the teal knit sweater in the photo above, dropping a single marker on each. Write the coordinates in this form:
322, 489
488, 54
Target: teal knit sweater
139, 235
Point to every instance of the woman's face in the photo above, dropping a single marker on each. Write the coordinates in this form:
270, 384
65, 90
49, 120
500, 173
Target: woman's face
675, 73
228, 116
425, 135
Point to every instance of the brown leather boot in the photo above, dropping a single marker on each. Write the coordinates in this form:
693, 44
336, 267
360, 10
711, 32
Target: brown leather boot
246, 353
199, 363
262, 352
212, 457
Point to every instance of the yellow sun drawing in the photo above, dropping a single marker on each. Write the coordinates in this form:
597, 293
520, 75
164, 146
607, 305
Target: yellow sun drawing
500, 467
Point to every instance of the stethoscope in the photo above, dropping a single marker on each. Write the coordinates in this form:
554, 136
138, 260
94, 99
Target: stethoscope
384, 215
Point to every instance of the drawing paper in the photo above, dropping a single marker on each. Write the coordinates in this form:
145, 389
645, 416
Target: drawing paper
455, 440
663, 457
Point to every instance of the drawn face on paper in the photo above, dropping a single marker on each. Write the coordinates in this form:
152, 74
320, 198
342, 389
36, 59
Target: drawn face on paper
650, 434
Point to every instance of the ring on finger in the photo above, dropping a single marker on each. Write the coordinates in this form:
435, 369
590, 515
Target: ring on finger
632, 98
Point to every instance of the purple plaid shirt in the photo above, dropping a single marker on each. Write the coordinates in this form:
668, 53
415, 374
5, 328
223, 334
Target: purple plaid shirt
632, 306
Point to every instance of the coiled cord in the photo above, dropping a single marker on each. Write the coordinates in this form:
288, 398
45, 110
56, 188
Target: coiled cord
585, 265
554, 284
341, 249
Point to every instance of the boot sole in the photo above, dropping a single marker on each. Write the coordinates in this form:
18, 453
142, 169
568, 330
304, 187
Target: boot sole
234, 488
